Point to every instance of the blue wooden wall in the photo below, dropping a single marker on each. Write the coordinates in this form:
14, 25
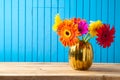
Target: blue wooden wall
26, 28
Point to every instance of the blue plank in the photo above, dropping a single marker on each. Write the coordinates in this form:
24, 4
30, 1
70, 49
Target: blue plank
98, 16
47, 4
61, 4
93, 18
60, 46
7, 30
28, 30
104, 51
15, 30
86, 9
35, 31
111, 11
73, 8
57, 35
50, 28
1, 30
41, 25
66, 7
67, 16
117, 34
47, 31
41, 3
79, 8
21, 28
54, 35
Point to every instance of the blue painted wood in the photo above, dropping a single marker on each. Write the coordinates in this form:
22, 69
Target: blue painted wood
111, 21
21, 28
104, 51
86, 10
79, 8
93, 17
41, 30
47, 31
58, 44
35, 31
61, 50
73, 8
54, 45
117, 26
2, 30
26, 28
7, 30
14, 30
98, 16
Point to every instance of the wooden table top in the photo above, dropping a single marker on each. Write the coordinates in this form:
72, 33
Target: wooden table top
57, 71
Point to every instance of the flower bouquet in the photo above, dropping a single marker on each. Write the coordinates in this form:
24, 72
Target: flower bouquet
76, 33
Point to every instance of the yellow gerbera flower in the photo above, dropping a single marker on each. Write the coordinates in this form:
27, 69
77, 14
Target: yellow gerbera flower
57, 22
93, 27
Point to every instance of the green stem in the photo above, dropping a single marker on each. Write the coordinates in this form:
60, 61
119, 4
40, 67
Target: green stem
85, 36
87, 39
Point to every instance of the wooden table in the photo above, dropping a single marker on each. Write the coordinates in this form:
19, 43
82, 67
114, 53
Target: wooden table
57, 71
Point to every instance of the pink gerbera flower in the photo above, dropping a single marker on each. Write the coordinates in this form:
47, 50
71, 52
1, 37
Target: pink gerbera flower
83, 27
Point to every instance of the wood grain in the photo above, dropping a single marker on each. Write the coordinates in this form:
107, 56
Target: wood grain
57, 71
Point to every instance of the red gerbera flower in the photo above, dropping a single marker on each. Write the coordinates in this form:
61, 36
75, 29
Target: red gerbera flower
76, 20
105, 35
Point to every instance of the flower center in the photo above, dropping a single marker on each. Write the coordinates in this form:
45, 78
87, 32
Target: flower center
105, 36
67, 33
80, 30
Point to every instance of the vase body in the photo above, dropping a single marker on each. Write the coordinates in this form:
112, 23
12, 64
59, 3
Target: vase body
81, 56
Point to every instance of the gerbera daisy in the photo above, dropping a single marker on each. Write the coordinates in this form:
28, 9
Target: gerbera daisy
93, 27
83, 27
76, 20
68, 32
105, 35
57, 22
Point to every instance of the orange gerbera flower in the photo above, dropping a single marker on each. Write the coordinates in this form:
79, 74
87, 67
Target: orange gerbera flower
68, 32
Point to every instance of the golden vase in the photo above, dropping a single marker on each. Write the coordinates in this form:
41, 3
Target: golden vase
81, 56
